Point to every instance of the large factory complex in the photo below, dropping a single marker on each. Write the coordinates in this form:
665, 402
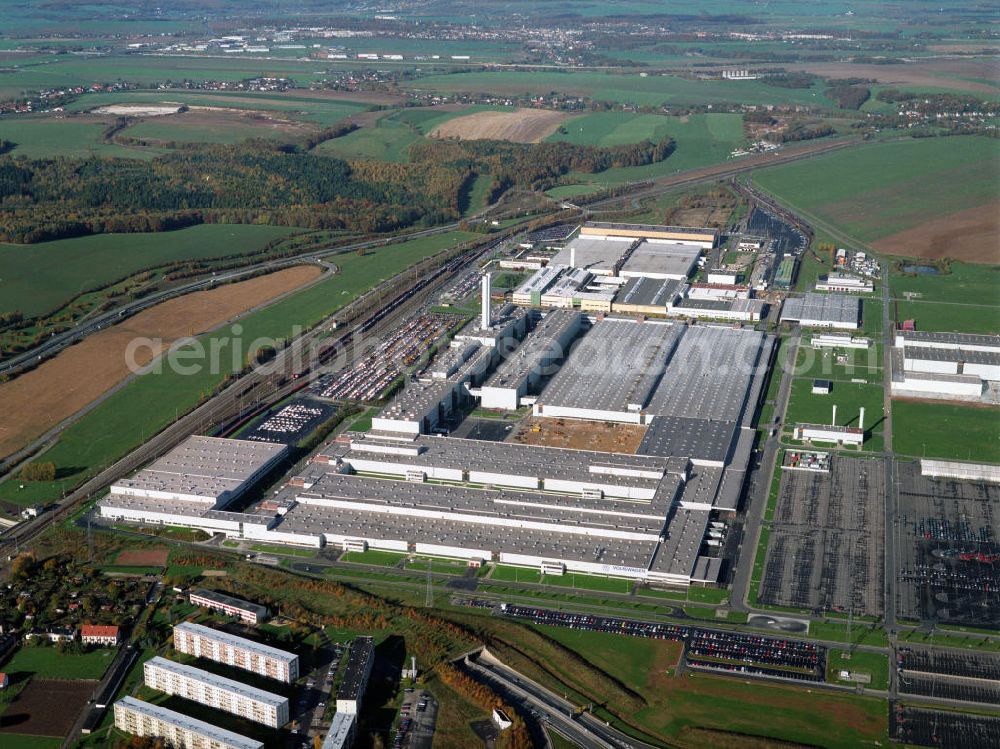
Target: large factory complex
690, 388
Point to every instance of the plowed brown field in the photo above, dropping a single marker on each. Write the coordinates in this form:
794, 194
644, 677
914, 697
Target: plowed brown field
519, 126
40, 399
969, 235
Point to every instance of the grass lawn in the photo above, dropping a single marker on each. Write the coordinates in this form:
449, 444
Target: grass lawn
849, 397
23, 741
147, 404
374, 557
875, 665
505, 573
75, 265
966, 317
589, 582
279, 549
876, 190
958, 282
41, 138
388, 140
944, 430
49, 663
821, 363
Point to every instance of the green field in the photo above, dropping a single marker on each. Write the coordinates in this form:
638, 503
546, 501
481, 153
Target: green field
38, 138
508, 573
49, 663
147, 404
962, 298
875, 665
876, 190
943, 430
849, 397
701, 139
628, 88
387, 140
23, 741
72, 266
821, 363
589, 582
374, 557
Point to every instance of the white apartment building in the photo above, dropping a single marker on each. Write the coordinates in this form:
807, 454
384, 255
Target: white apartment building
222, 647
216, 691
140, 718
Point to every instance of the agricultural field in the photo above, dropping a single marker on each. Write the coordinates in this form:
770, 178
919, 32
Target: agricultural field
943, 430
387, 140
901, 196
145, 405
217, 126
44, 708
76, 265
519, 126
58, 391
626, 88
947, 296
40, 138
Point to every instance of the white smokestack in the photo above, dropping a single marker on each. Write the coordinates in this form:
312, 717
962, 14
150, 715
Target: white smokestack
833, 423
861, 419
487, 283
572, 256
413, 664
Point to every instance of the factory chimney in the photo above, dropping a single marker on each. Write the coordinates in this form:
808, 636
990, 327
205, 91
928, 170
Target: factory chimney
413, 665
861, 419
572, 256
833, 423
487, 283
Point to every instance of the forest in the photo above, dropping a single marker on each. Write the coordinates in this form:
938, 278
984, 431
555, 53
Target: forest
265, 183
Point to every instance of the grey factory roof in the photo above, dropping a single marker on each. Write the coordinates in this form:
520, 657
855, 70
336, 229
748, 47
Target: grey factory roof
678, 552
616, 364
503, 457
219, 682
707, 569
541, 344
541, 279
228, 738
352, 686
699, 439
958, 340
570, 513
722, 305
652, 259
235, 641
709, 374
222, 598
450, 359
652, 228
473, 536
900, 373
417, 399
593, 254
828, 308
971, 356
648, 292
207, 467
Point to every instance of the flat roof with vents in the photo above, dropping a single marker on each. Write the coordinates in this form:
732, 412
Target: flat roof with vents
203, 469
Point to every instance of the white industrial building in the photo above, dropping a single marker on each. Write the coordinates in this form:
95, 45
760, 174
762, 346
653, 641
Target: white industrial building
946, 366
823, 311
693, 389
521, 371
239, 652
846, 283
204, 470
702, 237
215, 691
829, 433
143, 719
836, 340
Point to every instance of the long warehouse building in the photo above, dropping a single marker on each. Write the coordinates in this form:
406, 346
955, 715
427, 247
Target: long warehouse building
215, 691
144, 719
239, 652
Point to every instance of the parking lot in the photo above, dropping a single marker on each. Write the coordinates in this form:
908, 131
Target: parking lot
948, 674
827, 541
290, 423
417, 716
705, 649
385, 361
944, 729
947, 549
